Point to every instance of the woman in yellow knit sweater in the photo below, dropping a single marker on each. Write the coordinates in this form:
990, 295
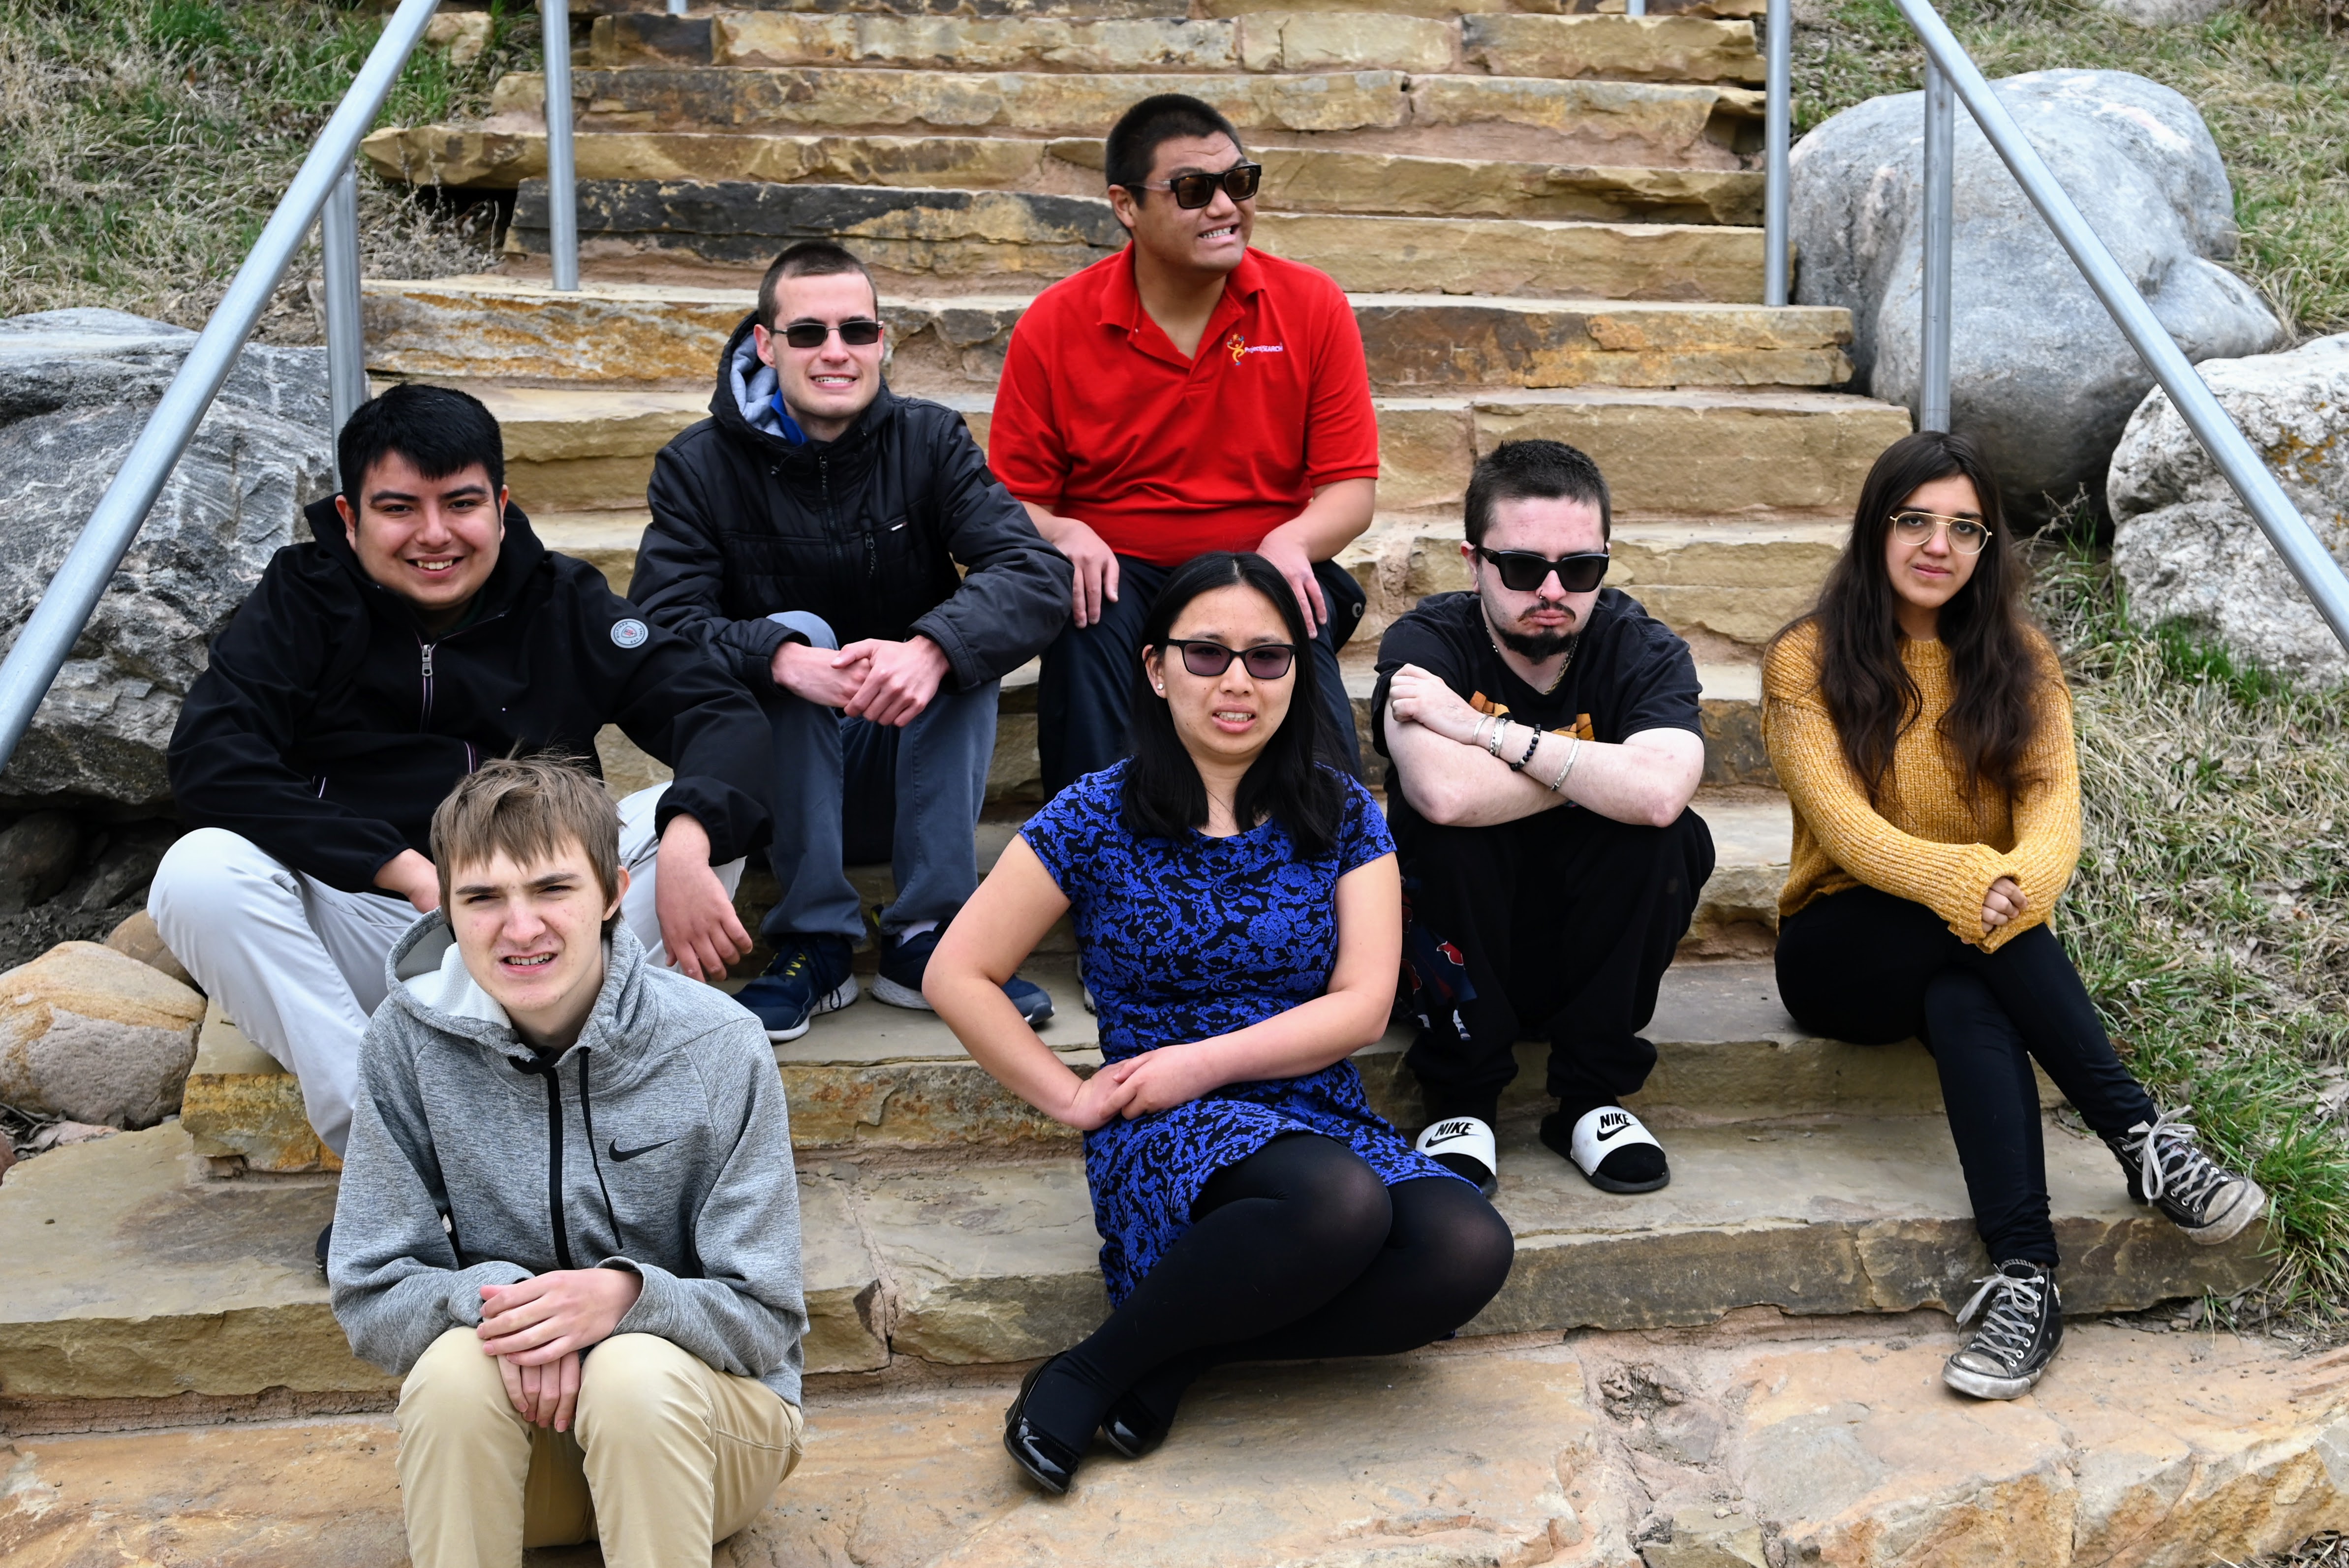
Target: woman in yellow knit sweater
1922, 730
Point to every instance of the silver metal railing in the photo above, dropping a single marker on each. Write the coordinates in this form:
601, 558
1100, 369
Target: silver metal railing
324, 189
1952, 72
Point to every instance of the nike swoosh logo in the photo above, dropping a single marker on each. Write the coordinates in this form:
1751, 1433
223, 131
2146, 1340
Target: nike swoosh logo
1610, 1132
625, 1155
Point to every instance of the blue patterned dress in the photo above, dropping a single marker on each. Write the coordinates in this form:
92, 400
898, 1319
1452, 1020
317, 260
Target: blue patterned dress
1182, 941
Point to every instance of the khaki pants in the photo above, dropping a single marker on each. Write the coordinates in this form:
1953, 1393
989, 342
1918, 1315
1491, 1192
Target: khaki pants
665, 1457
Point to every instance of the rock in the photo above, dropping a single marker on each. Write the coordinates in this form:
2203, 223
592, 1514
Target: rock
2040, 373
66, 1134
2182, 539
125, 866
138, 937
2163, 12
37, 854
94, 1034
76, 388
461, 34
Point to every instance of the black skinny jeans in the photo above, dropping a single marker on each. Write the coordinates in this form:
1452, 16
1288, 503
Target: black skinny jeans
1873, 969
1297, 1252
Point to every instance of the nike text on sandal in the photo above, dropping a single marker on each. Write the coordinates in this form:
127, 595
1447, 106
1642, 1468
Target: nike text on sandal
2019, 1333
1463, 1146
1611, 1148
2167, 1168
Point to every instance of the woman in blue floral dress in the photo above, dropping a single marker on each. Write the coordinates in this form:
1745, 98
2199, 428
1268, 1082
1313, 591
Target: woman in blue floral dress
1239, 913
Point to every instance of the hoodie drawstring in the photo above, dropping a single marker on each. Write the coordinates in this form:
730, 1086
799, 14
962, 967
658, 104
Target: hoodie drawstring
544, 1068
587, 1115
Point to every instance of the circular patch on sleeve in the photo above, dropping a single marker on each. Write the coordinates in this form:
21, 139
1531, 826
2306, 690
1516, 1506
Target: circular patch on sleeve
630, 633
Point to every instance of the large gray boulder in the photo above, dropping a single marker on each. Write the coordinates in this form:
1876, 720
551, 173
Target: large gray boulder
2039, 372
2185, 545
76, 388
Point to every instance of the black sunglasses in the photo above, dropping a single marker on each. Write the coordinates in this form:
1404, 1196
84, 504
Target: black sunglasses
1266, 661
1522, 572
857, 331
1195, 190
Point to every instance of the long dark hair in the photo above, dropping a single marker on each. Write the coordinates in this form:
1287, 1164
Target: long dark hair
1994, 670
1165, 797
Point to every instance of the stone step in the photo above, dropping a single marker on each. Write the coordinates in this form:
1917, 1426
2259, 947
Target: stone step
1621, 48
524, 333
1689, 124
136, 1278
1176, 10
1704, 452
1016, 242
1295, 179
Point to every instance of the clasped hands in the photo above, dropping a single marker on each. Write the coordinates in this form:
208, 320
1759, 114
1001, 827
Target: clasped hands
1151, 1081
875, 679
2003, 902
537, 1327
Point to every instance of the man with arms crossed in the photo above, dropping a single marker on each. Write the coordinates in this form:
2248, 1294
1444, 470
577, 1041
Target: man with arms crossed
807, 535
420, 632
568, 1217
1546, 742
1186, 395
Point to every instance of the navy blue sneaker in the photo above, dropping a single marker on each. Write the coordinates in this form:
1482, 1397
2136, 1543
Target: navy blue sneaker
810, 975
905, 960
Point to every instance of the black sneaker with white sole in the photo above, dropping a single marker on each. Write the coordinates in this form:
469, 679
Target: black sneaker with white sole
906, 960
2022, 1329
1463, 1146
2167, 1168
1612, 1149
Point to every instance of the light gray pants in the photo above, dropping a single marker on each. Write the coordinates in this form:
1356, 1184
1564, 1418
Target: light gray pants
299, 965
847, 792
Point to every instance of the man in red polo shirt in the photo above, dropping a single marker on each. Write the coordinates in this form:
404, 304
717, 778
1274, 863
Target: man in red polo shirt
1186, 395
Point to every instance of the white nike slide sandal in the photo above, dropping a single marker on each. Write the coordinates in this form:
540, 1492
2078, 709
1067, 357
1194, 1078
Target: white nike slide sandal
1463, 1146
1600, 1134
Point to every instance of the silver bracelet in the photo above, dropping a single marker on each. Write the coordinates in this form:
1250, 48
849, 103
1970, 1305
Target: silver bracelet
1476, 732
1492, 745
1573, 755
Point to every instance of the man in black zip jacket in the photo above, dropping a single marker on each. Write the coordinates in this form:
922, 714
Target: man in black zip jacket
423, 631
808, 535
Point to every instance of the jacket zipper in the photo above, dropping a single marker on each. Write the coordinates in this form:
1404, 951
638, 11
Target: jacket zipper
426, 722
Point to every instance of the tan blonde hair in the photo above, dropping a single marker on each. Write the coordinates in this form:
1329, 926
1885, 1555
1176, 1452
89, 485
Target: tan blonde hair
527, 807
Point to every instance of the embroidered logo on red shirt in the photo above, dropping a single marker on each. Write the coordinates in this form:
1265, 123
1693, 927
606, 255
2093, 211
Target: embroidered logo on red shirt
1238, 348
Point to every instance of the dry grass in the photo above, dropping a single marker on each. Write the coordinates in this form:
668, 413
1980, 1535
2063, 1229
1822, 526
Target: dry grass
2274, 86
149, 140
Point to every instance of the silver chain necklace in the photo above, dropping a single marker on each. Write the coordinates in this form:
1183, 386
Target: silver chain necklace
1573, 646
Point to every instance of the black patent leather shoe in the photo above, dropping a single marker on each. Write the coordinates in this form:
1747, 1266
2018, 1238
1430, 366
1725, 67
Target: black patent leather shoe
1132, 1428
1046, 1460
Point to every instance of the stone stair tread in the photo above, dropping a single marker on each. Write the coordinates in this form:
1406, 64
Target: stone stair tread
1297, 179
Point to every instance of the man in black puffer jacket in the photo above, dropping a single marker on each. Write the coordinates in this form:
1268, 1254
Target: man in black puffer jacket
422, 631
808, 535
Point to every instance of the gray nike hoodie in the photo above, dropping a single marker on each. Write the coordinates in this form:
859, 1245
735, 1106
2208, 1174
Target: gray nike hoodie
657, 1143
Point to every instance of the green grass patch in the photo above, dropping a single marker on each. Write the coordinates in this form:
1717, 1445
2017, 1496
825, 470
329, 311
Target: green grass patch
2210, 914
150, 139
2272, 85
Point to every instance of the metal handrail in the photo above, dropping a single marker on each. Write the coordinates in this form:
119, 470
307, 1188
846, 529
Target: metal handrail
1950, 67
324, 190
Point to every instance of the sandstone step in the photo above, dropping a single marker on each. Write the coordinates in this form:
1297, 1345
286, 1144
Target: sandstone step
1688, 452
1016, 242
135, 1277
1629, 49
1178, 9
1295, 179
1693, 124
1831, 1440
524, 333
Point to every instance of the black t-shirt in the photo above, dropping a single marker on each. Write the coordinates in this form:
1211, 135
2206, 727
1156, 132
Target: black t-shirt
1632, 672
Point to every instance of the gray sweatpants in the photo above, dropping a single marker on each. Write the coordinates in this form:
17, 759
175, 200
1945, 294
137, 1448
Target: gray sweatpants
299, 965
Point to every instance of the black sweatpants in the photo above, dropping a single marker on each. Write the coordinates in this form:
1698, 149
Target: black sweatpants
1297, 1253
1565, 922
1870, 968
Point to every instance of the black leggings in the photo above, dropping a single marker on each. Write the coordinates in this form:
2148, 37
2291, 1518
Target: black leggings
1296, 1252
1872, 968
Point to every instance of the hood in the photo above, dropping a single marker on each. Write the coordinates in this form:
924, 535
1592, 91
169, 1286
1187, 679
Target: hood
520, 553
744, 402
426, 978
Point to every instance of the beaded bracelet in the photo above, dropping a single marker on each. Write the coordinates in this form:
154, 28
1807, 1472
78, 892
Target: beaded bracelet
1533, 744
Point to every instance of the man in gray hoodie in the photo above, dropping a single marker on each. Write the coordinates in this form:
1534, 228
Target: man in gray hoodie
568, 1215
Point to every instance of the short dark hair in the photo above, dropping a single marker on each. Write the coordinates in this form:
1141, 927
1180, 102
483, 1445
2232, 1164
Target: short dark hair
440, 430
1134, 141
1164, 796
810, 259
524, 807
1535, 471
